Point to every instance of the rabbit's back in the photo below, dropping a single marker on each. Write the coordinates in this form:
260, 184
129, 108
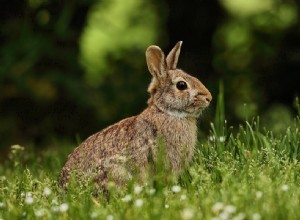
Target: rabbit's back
125, 144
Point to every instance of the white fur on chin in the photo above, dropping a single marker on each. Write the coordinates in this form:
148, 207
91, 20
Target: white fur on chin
180, 114
177, 114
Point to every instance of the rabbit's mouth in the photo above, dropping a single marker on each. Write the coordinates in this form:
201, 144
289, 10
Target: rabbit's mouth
199, 104
195, 109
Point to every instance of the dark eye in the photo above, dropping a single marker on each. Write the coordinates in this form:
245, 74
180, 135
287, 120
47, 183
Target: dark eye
181, 85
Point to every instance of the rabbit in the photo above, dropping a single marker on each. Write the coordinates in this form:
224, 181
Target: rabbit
128, 147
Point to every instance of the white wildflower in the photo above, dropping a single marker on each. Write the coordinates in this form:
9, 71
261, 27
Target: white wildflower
139, 203
54, 202
55, 208
94, 215
29, 200
110, 217
176, 189
152, 191
217, 207
127, 198
230, 209
222, 138
285, 187
167, 206
187, 214
256, 216
259, 194
137, 189
2, 205
15, 148
183, 197
212, 138
225, 215
63, 207
240, 216
47, 191
39, 212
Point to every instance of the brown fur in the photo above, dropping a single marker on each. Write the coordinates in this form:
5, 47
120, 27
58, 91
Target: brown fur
123, 149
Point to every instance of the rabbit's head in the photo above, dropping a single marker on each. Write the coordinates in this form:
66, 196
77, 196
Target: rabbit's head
172, 90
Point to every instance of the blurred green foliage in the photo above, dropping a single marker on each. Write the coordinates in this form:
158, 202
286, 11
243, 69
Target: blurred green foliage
245, 43
46, 93
115, 26
69, 69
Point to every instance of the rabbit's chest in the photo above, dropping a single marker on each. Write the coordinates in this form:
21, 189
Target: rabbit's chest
179, 139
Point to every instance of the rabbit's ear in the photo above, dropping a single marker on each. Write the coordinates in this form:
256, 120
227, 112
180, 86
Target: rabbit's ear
156, 62
172, 57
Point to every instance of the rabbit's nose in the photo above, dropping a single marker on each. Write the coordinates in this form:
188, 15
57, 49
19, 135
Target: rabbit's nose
206, 96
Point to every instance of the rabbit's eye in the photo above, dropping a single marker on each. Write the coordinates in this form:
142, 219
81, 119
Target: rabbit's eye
181, 85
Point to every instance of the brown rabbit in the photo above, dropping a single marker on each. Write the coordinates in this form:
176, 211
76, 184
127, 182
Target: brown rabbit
123, 149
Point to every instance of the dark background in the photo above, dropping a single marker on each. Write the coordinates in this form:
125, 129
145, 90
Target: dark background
52, 90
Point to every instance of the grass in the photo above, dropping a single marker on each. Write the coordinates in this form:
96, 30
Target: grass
247, 174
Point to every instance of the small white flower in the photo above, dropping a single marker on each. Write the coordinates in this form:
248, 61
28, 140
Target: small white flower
256, 216
183, 197
17, 147
212, 138
259, 194
29, 200
47, 191
39, 212
225, 215
137, 189
187, 214
285, 187
110, 217
152, 191
127, 198
217, 207
222, 138
54, 202
139, 203
94, 215
176, 189
167, 206
63, 207
240, 216
230, 209
2, 205
55, 208
22, 194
